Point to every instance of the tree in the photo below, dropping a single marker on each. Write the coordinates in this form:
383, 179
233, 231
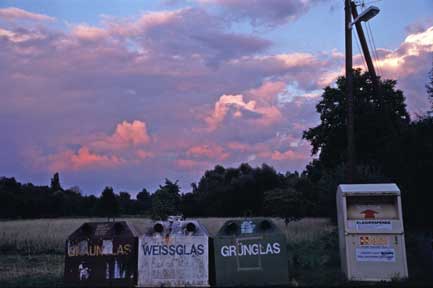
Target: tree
125, 202
166, 200
55, 183
144, 201
429, 87
286, 203
108, 203
377, 122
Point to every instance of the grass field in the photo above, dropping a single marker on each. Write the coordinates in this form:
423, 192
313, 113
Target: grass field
31, 251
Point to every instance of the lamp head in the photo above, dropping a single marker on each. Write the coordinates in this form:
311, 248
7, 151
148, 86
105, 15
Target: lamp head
367, 14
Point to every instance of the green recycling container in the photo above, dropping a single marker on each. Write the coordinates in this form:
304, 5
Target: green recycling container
250, 252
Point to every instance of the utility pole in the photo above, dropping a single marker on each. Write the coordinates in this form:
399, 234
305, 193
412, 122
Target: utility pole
349, 93
364, 45
375, 79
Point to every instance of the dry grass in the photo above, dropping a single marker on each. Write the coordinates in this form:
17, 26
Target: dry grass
47, 236
31, 251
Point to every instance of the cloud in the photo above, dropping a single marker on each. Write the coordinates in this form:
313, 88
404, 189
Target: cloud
15, 37
267, 91
185, 32
233, 104
86, 32
189, 164
124, 146
143, 154
214, 152
288, 155
126, 135
422, 38
82, 159
263, 12
409, 64
208, 94
13, 13
419, 26
260, 111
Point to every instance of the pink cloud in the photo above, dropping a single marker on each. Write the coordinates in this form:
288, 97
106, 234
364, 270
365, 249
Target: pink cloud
288, 155
238, 146
142, 154
126, 135
121, 148
69, 160
13, 13
208, 151
222, 108
409, 64
192, 79
259, 111
268, 91
86, 32
146, 22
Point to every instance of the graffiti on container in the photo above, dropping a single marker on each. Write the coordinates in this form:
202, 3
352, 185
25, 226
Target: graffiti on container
84, 249
180, 249
250, 249
102, 229
119, 270
247, 227
84, 271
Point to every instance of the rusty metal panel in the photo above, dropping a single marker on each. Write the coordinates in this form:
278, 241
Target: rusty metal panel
101, 254
174, 253
250, 252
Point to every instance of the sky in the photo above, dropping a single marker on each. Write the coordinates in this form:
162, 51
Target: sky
126, 93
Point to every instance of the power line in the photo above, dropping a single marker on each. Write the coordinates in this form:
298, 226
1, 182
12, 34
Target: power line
374, 60
361, 52
379, 67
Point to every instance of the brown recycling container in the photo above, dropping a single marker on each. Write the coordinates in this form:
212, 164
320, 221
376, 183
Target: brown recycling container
102, 254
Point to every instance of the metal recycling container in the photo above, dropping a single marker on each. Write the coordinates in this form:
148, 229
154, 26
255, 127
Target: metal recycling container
250, 252
102, 254
371, 232
174, 253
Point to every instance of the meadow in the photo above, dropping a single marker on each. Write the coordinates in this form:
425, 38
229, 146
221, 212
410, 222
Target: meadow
32, 251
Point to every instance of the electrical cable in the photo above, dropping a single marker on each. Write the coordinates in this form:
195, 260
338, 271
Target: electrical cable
371, 48
361, 52
379, 66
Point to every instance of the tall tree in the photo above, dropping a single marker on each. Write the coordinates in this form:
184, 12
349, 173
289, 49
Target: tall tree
55, 183
429, 87
377, 122
125, 203
166, 200
108, 203
144, 201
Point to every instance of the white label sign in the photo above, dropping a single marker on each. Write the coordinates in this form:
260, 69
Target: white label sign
375, 255
250, 249
107, 247
247, 227
366, 225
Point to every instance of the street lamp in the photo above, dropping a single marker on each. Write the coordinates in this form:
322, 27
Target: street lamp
364, 16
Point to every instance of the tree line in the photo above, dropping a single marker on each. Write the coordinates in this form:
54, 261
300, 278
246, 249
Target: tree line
390, 147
